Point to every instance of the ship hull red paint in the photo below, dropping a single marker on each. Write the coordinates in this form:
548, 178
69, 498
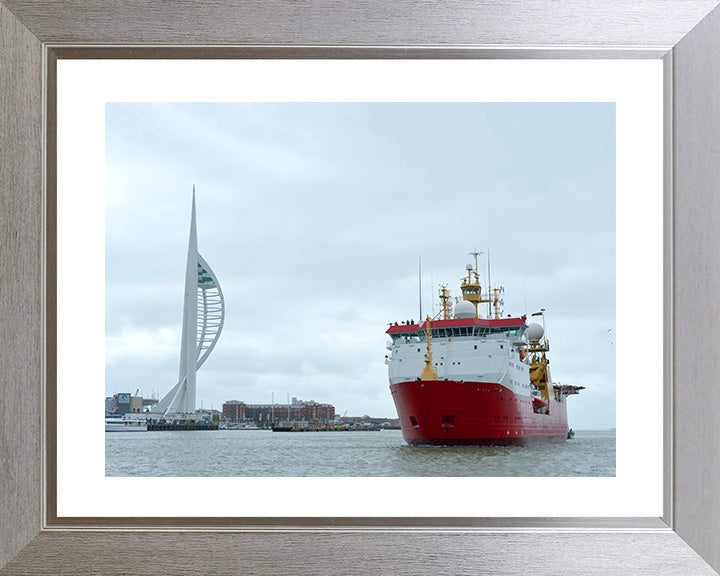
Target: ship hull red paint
450, 413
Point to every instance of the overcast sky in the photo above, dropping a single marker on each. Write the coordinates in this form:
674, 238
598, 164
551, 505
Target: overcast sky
313, 217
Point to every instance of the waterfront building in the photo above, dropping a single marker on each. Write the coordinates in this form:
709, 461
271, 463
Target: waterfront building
123, 403
203, 317
298, 410
233, 411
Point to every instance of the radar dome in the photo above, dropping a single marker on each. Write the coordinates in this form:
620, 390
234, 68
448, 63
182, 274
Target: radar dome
464, 309
534, 332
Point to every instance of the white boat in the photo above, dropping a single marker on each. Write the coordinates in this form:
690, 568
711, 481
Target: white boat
126, 423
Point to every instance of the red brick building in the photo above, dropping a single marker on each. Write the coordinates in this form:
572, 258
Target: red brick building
298, 410
233, 411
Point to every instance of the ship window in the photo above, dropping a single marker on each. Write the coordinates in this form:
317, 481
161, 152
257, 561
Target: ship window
405, 337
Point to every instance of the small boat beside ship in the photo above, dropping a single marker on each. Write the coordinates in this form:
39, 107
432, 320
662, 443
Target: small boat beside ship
461, 379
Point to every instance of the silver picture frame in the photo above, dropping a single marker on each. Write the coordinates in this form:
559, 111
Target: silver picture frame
685, 34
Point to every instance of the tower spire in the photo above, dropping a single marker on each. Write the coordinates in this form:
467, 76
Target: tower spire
203, 317
188, 351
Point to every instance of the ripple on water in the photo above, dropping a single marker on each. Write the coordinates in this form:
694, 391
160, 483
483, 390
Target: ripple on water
324, 454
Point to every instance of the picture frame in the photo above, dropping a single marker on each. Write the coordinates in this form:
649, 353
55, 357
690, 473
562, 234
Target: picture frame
685, 35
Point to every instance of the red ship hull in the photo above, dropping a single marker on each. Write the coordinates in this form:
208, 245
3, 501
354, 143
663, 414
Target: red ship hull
451, 413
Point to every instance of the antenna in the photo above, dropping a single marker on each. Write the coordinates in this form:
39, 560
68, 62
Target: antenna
432, 287
420, 286
476, 254
489, 286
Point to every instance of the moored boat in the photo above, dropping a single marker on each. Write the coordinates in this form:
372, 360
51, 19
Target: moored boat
125, 423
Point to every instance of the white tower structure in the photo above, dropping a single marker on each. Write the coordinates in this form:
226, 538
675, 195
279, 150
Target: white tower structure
203, 317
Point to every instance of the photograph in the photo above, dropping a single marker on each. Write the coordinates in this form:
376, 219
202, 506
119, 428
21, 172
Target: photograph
360, 289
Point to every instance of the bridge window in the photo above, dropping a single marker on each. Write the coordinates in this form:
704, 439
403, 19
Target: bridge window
506, 331
404, 337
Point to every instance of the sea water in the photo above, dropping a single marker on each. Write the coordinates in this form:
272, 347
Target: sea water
354, 453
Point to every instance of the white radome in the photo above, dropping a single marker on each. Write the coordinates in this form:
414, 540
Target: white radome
534, 332
464, 309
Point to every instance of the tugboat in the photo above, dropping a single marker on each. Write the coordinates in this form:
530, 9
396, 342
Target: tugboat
460, 379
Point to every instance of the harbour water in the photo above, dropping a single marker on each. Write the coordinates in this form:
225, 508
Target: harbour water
365, 454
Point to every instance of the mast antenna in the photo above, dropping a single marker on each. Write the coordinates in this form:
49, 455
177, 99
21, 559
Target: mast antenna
476, 254
432, 287
489, 285
420, 286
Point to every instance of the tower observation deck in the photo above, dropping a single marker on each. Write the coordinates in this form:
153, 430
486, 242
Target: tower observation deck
203, 317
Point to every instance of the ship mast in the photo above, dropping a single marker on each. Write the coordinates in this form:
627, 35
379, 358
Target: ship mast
428, 372
539, 346
497, 301
445, 306
470, 287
